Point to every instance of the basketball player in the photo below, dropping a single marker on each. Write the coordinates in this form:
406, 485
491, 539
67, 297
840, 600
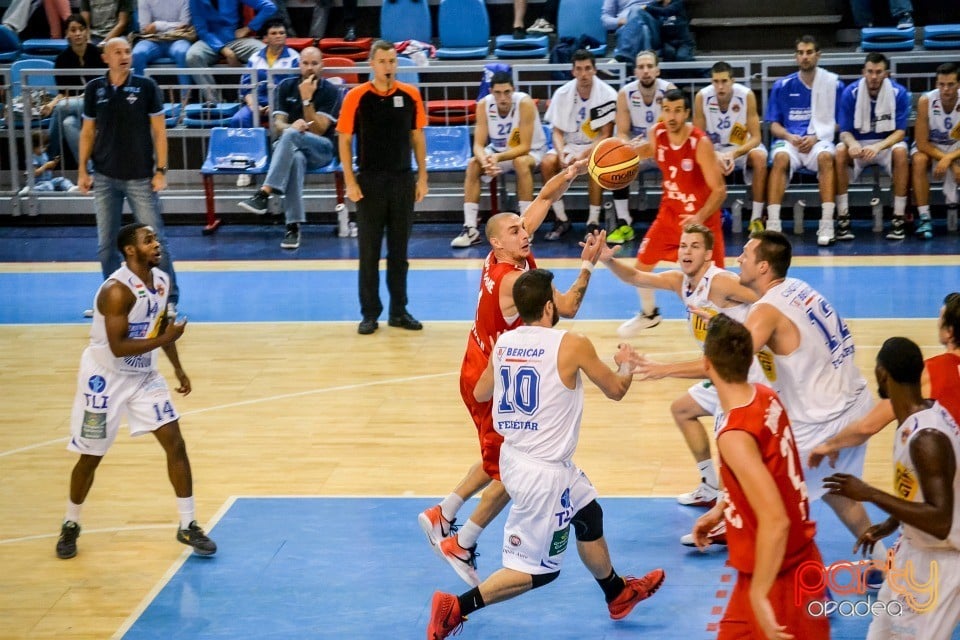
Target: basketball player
727, 112
704, 286
508, 136
638, 109
510, 256
936, 147
940, 381
119, 379
582, 113
693, 191
764, 503
533, 381
925, 572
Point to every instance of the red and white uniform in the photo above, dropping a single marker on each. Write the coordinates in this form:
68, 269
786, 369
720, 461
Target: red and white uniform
488, 324
944, 372
765, 419
684, 192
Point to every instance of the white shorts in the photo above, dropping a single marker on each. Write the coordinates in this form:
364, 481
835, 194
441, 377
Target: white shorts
507, 165
849, 461
545, 497
741, 162
949, 181
704, 393
104, 397
884, 160
807, 160
936, 619
574, 151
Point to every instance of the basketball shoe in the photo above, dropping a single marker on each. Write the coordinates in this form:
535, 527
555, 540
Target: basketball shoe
445, 618
635, 590
194, 536
436, 527
632, 327
702, 496
717, 535
67, 544
463, 561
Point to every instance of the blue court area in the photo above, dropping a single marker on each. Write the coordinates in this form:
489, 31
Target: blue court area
361, 568
439, 294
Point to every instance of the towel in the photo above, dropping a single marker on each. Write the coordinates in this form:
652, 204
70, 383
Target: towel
823, 105
563, 106
886, 106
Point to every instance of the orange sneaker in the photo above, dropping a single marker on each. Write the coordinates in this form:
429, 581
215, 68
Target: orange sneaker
445, 618
635, 590
435, 526
463, 561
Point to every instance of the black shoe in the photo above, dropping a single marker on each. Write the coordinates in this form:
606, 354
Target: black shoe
905, 21
291, 239
194, 536
368, 326
560, 229
898, 229
844, 228
67, 544
519, 33
257, 203
351, 34
405, 321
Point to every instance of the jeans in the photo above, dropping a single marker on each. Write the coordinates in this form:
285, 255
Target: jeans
201, 55
293, 155
146, 51
57, 183
641, 32
109, 194
863, 10
244, 119
65, 123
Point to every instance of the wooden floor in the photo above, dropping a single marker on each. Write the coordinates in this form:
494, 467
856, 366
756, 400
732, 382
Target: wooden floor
290, 409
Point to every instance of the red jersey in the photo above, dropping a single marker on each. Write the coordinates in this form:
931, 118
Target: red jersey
489, 322
944, 372
765, 419
684, 187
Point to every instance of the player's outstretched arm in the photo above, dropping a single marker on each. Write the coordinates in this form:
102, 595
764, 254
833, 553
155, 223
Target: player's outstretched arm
483, 390
577, 352
668, 280
728, 289
854, 434
552, 191
568, 302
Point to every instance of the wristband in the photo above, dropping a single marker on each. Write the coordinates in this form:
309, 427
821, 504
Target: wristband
625, 369
587, 266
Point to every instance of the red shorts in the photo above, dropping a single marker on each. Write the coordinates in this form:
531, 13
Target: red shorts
662, 239
474, 364
739, 622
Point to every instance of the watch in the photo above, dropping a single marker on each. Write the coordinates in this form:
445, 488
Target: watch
307, 102
162, 170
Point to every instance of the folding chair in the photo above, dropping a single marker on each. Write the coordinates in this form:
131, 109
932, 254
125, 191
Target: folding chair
232, 152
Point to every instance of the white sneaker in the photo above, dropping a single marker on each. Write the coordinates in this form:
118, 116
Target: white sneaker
632, 327
540, 26
702, 496
24, 192
774, 225
468, 237
243, 180
825, 235
717, 536
352, 226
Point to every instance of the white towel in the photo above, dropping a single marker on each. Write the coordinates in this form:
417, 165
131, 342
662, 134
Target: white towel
823, 105
562, 112
884, 112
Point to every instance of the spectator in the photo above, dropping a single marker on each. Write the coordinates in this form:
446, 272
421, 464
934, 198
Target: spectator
873, 126
935, 149
582, 112
509, 137
107, 18
43, 166
166, 31
802, 115
17, 15
675, 37
727, 112
321, 15
637, 29
544, 25
305, 118
216, 24
65, 110
900, 10
254, 89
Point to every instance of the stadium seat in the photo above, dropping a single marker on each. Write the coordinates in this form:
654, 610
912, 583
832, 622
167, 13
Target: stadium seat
357, 50
171, 113
335, 61
451, 112
205, 116
887, 39
582, 17
508, 48
9, 45
299, 44
941, 36
464, 30
231, 152
43, 48
405, 20
42, 83
448, 148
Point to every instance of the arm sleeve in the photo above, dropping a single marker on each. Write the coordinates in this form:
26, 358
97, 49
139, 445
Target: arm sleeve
608, 15
264, 10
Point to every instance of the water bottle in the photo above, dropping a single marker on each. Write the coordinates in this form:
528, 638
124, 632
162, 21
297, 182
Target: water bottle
343, 220
737, 216
609, 217
798, 208
876, 207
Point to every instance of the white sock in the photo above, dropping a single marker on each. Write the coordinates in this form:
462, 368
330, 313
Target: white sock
757, 212
648, 302
560, 210
468, 534
843, 203
924, 211
593, 217
522, 205
900, 206
707, 472
827, 210
187, 511
471, 210
73, 511
450, 505
623, 211
773, 212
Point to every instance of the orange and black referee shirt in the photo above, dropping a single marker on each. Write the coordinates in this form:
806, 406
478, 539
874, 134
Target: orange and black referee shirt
381, 124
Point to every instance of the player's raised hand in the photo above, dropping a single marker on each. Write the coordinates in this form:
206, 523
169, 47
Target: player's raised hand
869, 538
593, 245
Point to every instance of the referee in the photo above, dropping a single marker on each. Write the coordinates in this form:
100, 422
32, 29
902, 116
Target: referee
387, 118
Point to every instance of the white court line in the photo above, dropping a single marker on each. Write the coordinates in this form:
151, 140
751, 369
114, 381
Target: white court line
143, 527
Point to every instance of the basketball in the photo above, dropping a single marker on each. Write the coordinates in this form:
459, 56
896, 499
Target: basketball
613, 164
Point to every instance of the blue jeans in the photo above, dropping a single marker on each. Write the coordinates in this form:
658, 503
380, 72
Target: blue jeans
201, 55
294, 154
146, 51
58, 183
65, 123
244, 119
863, 10
641, 32
109, 194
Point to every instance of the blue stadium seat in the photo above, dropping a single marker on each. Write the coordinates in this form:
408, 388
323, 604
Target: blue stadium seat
232, 151
464, 30
448, 148
200, 116
941, 36
410, 77
507, 47
405, 20
43, 48
582, 17
47, 83
887, 39
171, 113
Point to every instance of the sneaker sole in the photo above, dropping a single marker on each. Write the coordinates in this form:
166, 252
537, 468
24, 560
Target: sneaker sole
247, 207
650, 592
199, 552
67, 557
466, 572
427, 527
713, 541
634, 332
698, 503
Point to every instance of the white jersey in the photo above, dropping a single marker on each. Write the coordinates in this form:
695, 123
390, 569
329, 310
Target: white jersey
699, 298
577, 119
906, 480
944, 127
819, 381
643, 115
727, 129
532, 409
144, 321
504, 131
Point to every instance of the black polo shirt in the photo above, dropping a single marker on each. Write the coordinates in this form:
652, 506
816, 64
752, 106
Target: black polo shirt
382, 123
123, 144
327, 98
68, 59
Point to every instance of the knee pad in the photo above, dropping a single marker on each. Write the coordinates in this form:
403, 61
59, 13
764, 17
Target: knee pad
588, 522
540, 579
